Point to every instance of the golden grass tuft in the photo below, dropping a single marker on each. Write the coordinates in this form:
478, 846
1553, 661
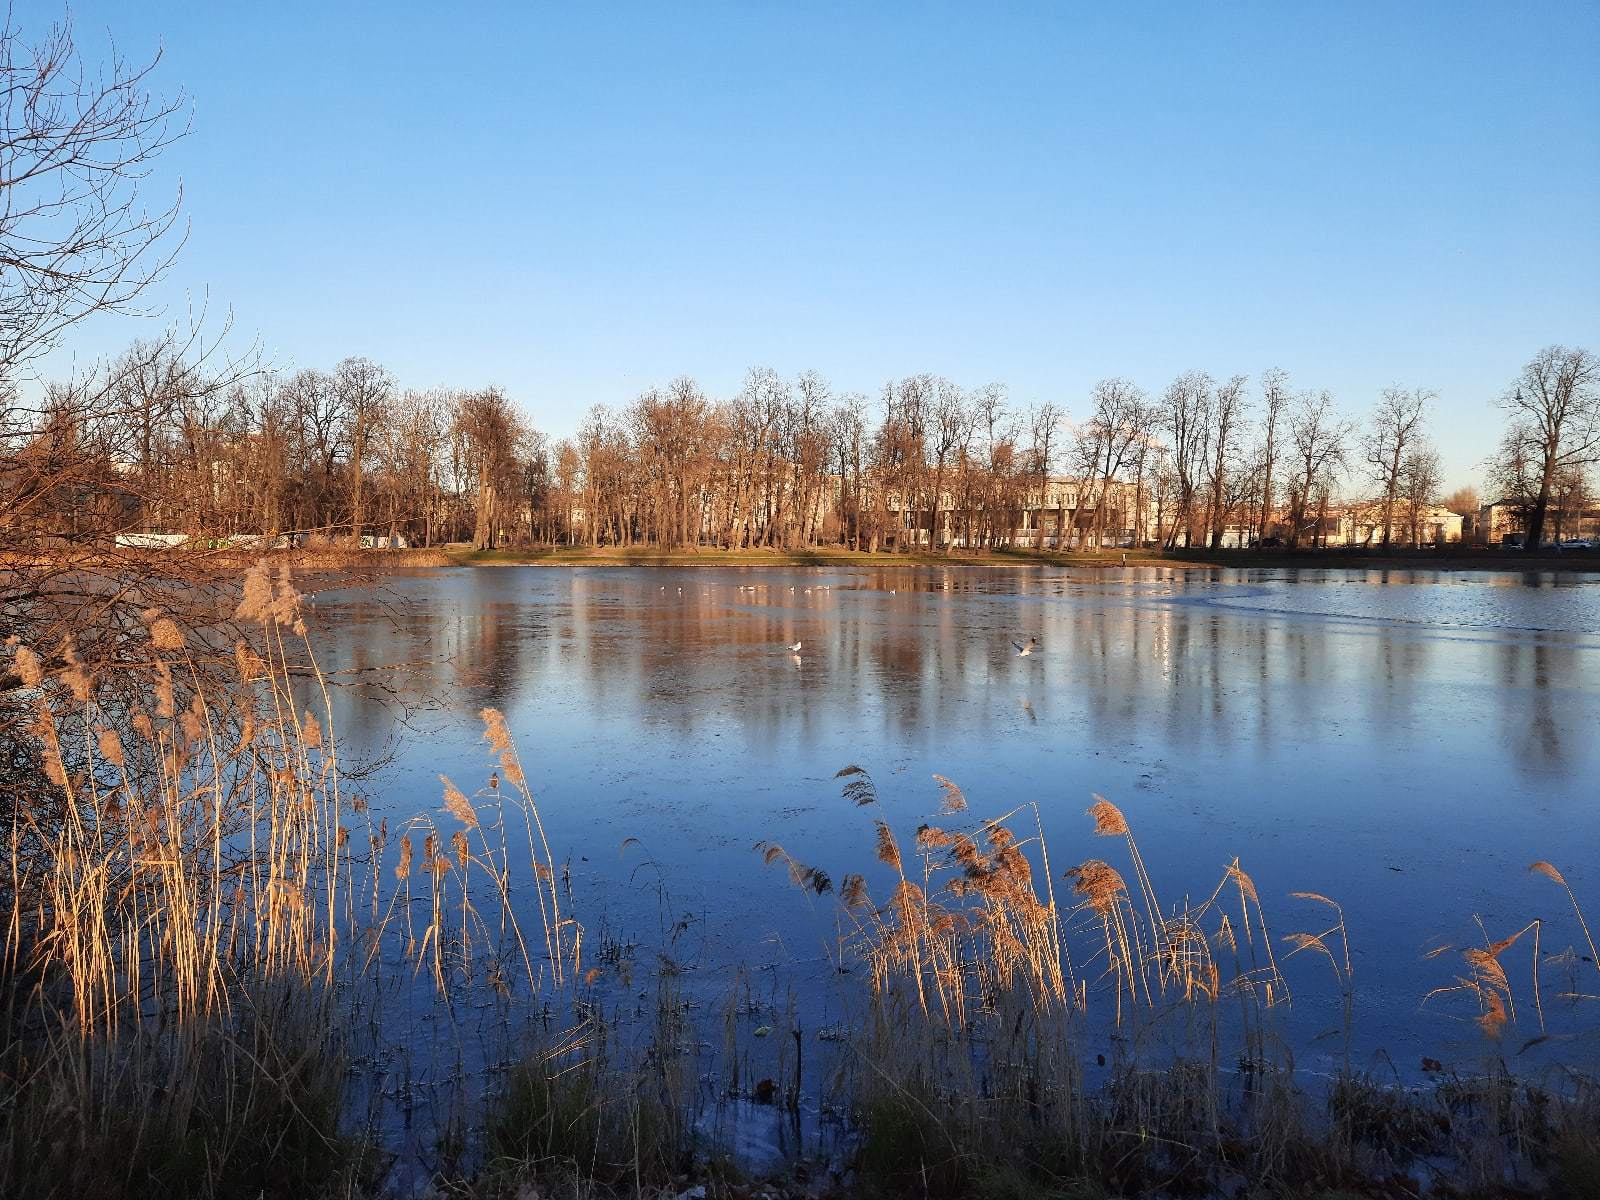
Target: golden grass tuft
457, 804
255, 602
1108, 818
250, 664
888, 848
30, 668
930, 837
495, 731
1549, 872
165, 635
109, 743
1099, 883
74, 673
860, 790
954, 800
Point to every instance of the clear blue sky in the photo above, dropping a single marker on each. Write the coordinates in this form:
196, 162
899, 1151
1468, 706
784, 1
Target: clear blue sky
578, 202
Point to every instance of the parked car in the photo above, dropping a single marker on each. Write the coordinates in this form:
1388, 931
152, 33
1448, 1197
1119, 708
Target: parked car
1577, 544
1267, 543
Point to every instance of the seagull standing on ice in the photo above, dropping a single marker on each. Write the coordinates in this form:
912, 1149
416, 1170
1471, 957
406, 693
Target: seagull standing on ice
1024, 651
795, 649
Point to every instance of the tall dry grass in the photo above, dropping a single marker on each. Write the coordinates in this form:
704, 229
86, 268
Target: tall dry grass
199, 908
1105, 1038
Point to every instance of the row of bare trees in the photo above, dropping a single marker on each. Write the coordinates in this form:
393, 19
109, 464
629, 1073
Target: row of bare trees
1228, 461
791, 464
171, 437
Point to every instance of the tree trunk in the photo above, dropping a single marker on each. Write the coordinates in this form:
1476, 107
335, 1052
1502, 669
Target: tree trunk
1542, 504
483, 523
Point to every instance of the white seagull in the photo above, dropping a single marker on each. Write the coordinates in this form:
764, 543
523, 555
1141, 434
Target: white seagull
1024, 651
795, 649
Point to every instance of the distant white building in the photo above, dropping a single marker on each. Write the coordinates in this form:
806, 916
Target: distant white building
151, 541
1361, 524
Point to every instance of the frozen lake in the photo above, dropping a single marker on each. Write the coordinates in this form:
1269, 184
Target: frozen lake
1404, 742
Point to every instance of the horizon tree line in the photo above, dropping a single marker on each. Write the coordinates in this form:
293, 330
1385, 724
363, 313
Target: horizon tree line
172, 436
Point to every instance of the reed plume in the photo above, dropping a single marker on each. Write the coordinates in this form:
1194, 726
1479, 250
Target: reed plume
30, 668
1549, 872
860, 790
165, 635
457, 804
954, 800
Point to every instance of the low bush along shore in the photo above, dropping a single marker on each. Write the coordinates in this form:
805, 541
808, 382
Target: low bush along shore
224, 976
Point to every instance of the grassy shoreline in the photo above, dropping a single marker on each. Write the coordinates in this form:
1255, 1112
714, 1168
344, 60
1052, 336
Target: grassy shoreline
335, 558
1407, 560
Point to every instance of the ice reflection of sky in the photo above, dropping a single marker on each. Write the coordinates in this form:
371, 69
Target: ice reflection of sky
1404, 742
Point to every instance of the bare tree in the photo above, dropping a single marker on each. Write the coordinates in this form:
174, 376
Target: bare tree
1395, 428
1555, 414
1107, 444
531, 468
1274, 399
488, 430
1514, 471
809, 435
1228, 413
1419, 487
669, 429
1186, 416
365, 391
408, 445
850, 447
1463, 501
1044, 426
913, 411
77, 590
320, 425
76, 141
1321, 451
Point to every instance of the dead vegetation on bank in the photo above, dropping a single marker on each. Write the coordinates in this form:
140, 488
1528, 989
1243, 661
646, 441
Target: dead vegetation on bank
1102, 1041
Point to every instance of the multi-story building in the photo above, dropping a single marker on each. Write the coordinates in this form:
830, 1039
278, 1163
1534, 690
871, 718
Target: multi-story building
1361, 524
1503, 521
1064, 512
